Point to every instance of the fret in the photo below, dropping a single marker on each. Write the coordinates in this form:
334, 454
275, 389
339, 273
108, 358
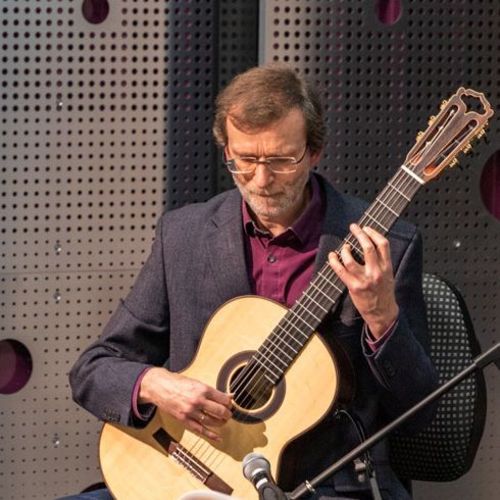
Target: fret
321, 291
281, 343
331, 283
277, 347
297, 315
299, 304
289, 346
288, 334
387, 206
272, 354
398, 191
296, 327
377, 222
305, 294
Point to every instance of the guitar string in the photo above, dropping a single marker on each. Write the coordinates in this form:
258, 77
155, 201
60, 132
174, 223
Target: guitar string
349, 239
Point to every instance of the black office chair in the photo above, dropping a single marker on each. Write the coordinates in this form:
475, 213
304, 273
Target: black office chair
445, 450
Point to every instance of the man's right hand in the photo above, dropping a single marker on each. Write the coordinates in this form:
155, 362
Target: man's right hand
197, 406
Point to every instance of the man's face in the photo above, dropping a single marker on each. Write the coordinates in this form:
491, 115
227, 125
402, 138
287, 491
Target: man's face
273, 197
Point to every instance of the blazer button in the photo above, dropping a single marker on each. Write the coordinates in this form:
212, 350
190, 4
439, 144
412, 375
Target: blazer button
271, 259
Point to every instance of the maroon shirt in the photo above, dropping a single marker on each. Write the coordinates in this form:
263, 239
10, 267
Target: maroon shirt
281, 267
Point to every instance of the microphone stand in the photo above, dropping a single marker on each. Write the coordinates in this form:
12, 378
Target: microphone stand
480, 362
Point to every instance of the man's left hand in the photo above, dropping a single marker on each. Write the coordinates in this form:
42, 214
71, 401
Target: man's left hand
370, 285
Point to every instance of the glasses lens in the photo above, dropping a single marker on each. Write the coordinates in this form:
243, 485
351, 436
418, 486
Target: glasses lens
282, 164
241, 165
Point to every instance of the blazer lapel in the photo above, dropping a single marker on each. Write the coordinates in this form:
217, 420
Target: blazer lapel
226, 250
335, 225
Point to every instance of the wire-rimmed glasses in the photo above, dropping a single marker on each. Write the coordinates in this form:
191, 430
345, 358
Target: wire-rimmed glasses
248, 164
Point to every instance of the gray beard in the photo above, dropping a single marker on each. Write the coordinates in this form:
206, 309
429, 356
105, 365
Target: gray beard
281, 206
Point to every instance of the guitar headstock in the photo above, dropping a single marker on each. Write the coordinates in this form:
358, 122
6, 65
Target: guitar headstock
461, 119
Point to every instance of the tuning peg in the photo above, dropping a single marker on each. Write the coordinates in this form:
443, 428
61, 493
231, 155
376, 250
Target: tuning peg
420, 135
481, 133
443, 104
431, 119
466, 149
454, 162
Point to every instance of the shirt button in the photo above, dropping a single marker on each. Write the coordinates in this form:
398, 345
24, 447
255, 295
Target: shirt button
271, 259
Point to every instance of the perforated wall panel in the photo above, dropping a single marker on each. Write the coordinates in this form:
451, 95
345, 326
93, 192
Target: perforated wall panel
82, 183
238, 46
381, 83
102, 126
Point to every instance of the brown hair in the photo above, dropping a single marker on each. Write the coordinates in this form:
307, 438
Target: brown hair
262, 95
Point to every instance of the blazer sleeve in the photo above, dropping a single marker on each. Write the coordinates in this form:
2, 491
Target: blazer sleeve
137, 336
402, 365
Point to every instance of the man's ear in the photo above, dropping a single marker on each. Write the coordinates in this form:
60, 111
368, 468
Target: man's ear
316, 157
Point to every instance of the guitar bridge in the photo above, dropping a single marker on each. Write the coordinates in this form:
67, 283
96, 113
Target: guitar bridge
189, 461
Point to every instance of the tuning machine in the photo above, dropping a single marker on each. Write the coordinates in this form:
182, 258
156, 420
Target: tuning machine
443, 104
454, 163
481, 133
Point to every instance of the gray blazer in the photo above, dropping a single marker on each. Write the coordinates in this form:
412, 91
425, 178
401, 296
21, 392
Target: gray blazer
197, 263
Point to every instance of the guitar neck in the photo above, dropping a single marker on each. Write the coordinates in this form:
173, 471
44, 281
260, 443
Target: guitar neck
323, 294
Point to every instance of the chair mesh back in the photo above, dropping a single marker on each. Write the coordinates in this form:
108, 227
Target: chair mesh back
445, 450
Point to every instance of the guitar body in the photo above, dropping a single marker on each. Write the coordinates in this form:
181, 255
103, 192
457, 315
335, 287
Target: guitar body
164, 460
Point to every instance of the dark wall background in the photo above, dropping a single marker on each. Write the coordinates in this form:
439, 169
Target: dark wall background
103, 125
381, 83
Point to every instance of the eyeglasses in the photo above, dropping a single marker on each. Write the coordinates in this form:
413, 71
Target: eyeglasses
248, 164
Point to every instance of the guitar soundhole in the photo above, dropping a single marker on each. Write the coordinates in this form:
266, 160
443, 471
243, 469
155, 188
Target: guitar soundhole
255, 397
251, 390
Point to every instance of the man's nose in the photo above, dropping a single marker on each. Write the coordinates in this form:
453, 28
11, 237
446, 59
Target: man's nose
263, 175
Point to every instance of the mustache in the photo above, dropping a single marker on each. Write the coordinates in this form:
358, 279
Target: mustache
262, 193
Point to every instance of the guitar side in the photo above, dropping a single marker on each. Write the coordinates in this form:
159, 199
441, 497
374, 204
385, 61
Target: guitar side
136, 465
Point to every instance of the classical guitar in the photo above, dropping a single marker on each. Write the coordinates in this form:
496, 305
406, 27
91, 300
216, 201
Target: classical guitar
269, 357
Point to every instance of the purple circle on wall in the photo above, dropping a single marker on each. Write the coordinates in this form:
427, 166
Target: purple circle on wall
16, 366
95, 11
490, 185
389, 11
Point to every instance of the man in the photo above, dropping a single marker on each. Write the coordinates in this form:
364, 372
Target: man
268, 237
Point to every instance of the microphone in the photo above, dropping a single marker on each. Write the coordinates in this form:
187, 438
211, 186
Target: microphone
257, 469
